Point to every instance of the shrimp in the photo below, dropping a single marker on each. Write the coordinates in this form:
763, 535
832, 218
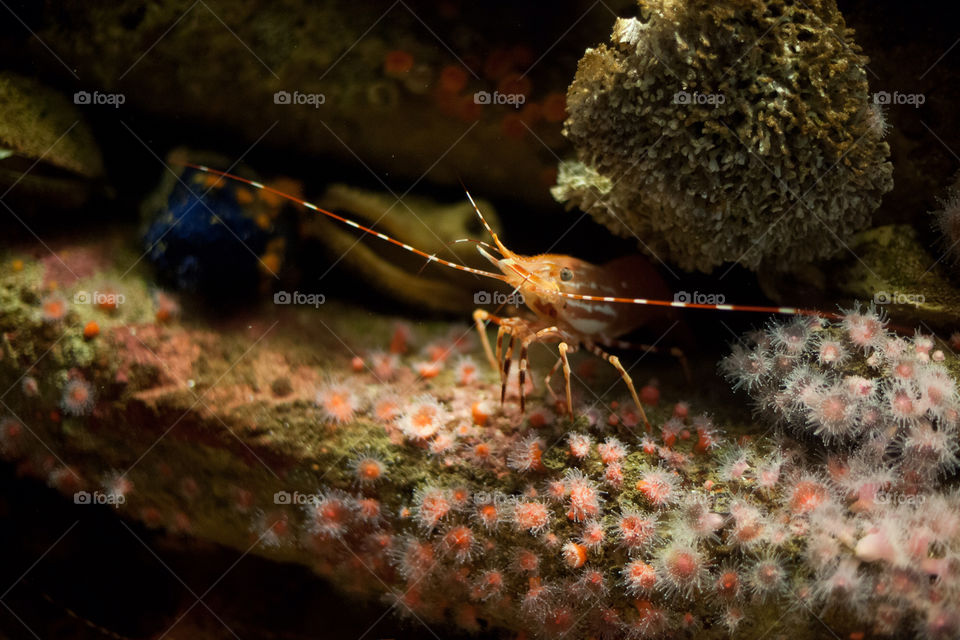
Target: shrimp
574, 303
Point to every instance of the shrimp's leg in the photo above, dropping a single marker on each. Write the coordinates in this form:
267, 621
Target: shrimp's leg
523, 375
500, 331
480, 316
517, 330
646, 348
524, 345
504, 326
615, 361
505, 372
546, 380
563, 347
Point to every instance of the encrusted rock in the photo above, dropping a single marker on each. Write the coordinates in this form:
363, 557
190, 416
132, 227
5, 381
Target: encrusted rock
727, 132
47, 151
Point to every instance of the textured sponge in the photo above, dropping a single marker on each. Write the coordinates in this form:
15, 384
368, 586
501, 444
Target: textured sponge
719, 131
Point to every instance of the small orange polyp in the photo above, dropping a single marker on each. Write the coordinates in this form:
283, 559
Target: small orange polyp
480, 413
575, 555
91, 330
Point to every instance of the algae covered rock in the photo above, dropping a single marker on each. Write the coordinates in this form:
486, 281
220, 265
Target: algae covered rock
892, 267
387, 86
46, 148
38, 122
727, 132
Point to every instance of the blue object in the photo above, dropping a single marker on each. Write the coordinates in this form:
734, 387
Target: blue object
204, 240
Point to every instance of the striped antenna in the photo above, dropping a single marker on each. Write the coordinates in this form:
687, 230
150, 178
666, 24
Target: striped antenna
480, 215
347, 221
792, 311
486, 245
789, 311
522, 272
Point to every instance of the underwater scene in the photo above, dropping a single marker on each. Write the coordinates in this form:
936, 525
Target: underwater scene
425, 319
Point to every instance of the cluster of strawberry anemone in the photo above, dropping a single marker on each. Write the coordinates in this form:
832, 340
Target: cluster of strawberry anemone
883, 537
854, 385
607, 531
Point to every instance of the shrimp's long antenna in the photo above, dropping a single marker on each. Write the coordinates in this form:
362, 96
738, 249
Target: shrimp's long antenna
502, 249
347, 221
789, 311
486, 225
479, 242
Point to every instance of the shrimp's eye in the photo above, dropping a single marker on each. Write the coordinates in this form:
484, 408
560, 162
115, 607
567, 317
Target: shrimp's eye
566, 274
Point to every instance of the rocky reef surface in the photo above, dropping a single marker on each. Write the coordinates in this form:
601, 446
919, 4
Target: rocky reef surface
334, 78
376, 454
